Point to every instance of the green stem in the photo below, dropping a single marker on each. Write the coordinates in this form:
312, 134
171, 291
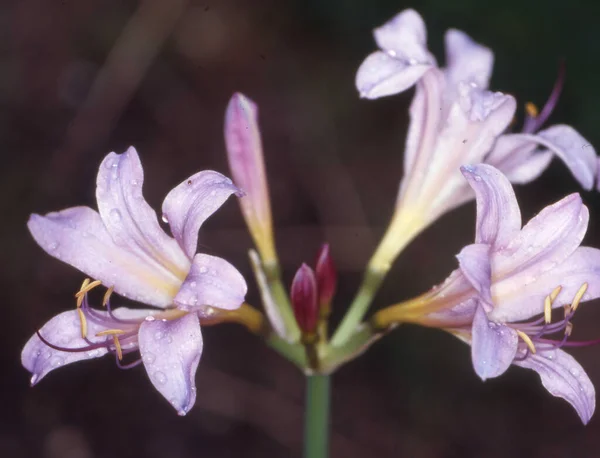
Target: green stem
316, 417
280, 297
369, 287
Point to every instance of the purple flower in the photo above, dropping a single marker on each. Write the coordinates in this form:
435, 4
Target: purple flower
509, 277
456, 120
124, 247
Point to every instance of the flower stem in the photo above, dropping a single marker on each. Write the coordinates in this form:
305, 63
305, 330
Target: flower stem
316, 419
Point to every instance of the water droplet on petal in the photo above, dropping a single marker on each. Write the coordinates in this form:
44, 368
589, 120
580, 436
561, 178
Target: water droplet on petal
134, 182
115, 215
203, 270
158, 335
150, 318
213, 193
160, 377
574, 372
57, 361
169, 339
165, 219
53, 246
149, 358
193, 284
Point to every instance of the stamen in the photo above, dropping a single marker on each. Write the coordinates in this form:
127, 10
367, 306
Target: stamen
527, 341
135, 363
531, 109
118, 347
547, 310
67, 349
88, 287
80, 300
110, 332
107, 294
578, 297
83, 323
555, 293
568, 329
85, 283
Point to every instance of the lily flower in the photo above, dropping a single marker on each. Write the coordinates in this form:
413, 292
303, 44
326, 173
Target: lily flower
508, 278
455, 120
124, 247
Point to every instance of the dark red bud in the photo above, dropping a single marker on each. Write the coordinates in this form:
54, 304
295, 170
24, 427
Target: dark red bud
326, 274
304, 299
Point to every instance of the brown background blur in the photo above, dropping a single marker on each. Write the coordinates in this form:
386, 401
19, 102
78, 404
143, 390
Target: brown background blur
81, 78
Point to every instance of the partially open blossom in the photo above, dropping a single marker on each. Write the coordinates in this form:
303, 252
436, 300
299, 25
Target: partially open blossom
326, 276
124, 247
508, 278
245, 154
455, 120
303, 295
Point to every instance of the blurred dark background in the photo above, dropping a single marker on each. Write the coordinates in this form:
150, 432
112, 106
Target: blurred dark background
81, 78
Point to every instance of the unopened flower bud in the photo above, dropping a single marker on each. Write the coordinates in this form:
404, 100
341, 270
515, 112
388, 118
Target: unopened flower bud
304, 299
326, 275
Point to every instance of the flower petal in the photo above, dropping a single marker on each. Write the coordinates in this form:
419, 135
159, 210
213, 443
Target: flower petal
171, 352
190, 203
78, 237
493, 347
498, 213
466, 60
516, 156
129, 219
381, 75
564, 377
521, 297
62, 330
405, 38
214, 282
475, 264
574, 150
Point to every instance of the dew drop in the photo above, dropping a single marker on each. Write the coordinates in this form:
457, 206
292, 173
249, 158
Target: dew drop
160, 377
213, 193
412, 61
115, 215
574, 372
149, 318
193, 284
203, 270
134, 182
149, 358
158, 335
53, 246
169, 339
57, 361
165, 219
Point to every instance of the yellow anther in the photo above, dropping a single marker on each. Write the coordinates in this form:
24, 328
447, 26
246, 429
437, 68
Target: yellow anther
118, 347
548, 309
555, 293
568, 329
567, 308
531, 109
80, 300
578, 297
527, 341
88, 287
85, 283
83, 323
107, 294
110, 332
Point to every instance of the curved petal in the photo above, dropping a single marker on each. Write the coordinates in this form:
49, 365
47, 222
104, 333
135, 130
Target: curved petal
498, 213
467, 60
573, 149
545, 241
405, 38
214, 282
171, 352
381, 75
493, 347
521, 297
130, 221
474, 261
62, 330
564, 377
190, 203
78, 237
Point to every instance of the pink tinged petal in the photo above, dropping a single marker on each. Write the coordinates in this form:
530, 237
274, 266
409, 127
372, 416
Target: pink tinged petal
381, 75
467, 60
493, 346
214, 282
78, 237
564, 377
474, 261
498, 213
190, 203
129, 219
521, 297
303, 295
518, 158
63, 330
545, 241
573, 149
171, 352
326, 275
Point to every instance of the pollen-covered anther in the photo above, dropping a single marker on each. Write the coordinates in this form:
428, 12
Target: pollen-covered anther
110, 332
86, 287
554, 294
527, 341
107, 295
83, 323
532, 109
578, 297
548, 310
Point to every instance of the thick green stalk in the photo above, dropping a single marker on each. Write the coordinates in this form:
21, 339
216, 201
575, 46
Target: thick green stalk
316, 416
